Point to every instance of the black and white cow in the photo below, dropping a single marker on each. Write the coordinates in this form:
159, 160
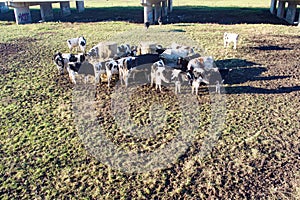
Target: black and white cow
111, 68
178, 77
85, 68
60, 62
62, 59
125, 66
182, 63
147, 59
77, 42
156, 74
196, 84
125, 50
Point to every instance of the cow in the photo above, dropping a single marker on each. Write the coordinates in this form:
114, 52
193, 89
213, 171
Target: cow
85, 68
230, 37
125, 65
111, 67
77, 42
62, 59
162, 73
196, 84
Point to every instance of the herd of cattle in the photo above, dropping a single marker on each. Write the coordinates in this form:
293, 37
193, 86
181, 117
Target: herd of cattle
175, 65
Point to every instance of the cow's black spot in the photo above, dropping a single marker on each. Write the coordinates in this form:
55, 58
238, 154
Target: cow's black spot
73, 58
82, 58
75, 66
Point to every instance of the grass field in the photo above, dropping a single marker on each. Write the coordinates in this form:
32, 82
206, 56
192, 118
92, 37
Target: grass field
42, 155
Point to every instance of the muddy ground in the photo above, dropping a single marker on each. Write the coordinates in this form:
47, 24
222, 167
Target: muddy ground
257, 154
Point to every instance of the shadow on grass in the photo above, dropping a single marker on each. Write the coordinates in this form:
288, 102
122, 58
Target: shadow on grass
271, 48
181, 14
238, 71
256, 90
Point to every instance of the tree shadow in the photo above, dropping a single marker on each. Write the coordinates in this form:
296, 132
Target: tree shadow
180, 14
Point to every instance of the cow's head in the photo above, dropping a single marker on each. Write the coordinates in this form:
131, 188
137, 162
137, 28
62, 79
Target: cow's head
59, 61
111, 65
82, 41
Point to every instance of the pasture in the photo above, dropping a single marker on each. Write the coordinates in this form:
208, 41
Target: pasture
256, 155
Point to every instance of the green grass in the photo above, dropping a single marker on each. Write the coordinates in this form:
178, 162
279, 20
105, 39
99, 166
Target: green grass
256, 156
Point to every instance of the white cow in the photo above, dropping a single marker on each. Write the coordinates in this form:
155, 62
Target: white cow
230, 37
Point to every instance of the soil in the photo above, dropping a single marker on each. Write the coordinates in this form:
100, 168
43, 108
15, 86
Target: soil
257, 154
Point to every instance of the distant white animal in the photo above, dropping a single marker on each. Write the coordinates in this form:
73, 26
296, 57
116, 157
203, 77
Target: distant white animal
230, 37
77, 42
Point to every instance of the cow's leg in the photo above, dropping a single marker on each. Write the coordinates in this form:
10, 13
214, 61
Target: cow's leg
152, 79
177, 87
121, 76
126, 80
72, 77
108, 81
97, 77
109, 75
